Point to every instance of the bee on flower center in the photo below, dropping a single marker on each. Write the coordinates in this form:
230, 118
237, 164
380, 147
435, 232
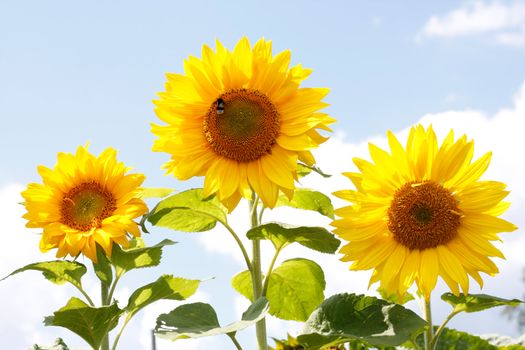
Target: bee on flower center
219, 104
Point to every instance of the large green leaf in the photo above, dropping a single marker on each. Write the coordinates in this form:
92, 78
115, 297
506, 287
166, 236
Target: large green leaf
344, 317
57, 271
308, 200
295, 288
137, 257
188, 211
451, 339
200, 320
90, 323
166, 287
477, 302
316, 238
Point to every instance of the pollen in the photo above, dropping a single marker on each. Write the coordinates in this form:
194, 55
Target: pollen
243, 126
86, 205
423, 215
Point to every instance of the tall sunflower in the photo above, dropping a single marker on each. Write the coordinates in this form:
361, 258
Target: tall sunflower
83, 201
239, 119
422, 212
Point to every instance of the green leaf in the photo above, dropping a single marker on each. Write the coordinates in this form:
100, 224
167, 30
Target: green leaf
103, 267
90, 323
477, 302
188, 211
166, 287
344, 317
200, 320
135, 258
451, 339
316, 238
242, 283
151, 192
57, 271
295, 288
308, 200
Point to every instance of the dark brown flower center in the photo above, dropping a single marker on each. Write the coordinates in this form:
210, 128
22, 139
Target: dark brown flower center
242, 125
86, 205
423, 215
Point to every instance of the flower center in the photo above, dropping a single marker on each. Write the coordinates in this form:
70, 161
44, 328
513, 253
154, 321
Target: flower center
423, 215
242, 125
86, 205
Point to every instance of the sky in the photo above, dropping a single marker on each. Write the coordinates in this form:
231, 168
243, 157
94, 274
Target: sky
73, 73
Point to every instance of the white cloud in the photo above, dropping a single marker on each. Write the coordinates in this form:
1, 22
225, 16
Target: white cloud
504, 23
30, 297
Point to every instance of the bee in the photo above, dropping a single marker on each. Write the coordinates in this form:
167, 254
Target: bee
219, 104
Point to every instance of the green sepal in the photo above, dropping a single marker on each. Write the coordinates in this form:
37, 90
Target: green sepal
316, 169
188, 211
137, 256
316, 238
198, 320
57, 271
90, 323
476, 302
103, 267
344, 317
308, 200
165, 287
394, 297
295, 288
302, 170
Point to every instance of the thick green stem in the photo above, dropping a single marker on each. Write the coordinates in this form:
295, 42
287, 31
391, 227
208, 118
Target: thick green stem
260, 326
104, 299
429, 333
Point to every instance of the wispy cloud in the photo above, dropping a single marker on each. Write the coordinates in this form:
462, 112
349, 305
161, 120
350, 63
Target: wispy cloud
503, 23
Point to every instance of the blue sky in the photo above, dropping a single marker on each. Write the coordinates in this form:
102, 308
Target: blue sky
73, 72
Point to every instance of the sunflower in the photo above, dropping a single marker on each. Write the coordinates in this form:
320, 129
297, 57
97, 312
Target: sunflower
239, 119
422, 212
83, 201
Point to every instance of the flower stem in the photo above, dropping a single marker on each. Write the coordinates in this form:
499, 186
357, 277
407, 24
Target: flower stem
104, 290
239, 243
234, 340
270, 269
429, 333
117, 338
260, 326
442, 327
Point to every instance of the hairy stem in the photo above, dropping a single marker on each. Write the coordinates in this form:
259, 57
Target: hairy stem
429, 333
104, 299
260, 326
